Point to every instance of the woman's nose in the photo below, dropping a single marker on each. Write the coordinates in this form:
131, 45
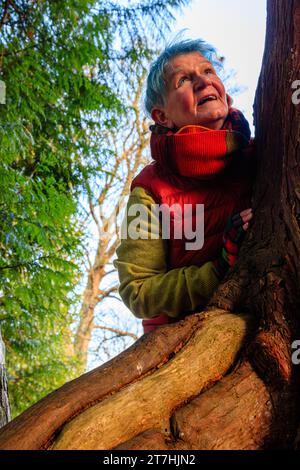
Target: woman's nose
202, 80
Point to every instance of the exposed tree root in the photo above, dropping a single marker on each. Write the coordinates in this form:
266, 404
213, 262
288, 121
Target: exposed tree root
149, 402
34, 428
235, 414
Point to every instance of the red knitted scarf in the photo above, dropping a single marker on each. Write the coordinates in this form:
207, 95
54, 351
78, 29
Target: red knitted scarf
197, 151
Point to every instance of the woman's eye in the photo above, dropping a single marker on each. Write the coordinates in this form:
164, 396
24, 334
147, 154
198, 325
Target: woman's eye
209, 71
182, 80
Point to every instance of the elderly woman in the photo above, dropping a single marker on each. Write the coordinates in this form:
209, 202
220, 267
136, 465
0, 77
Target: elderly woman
201, 158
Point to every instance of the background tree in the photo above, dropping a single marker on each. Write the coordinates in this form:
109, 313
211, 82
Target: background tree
56, 59
124, 151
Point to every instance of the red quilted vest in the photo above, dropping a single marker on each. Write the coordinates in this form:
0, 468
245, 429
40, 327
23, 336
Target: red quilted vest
223, 184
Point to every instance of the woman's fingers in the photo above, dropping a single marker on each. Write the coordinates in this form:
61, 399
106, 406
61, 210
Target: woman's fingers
246, 215
246, 212
247, 218
242, 219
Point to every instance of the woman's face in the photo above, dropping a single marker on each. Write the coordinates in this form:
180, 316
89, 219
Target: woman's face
195, 94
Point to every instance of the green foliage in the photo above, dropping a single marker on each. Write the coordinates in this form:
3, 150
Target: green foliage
59, 61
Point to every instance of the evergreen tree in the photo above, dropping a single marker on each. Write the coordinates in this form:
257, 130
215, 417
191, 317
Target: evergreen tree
58, 60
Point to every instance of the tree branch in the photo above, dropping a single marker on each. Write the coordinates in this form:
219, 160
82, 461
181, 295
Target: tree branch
117, 331
5, 12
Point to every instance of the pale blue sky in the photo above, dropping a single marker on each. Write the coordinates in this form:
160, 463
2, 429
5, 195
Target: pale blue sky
237, 29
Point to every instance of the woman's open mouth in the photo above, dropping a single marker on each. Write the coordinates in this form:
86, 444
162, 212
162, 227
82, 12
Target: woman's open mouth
207, 98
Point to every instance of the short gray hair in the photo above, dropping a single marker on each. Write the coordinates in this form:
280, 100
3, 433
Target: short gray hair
155, 92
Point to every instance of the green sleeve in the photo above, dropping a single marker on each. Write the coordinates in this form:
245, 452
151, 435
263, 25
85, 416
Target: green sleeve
147, 287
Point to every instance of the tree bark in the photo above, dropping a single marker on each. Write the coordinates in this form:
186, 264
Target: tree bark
4, 403
223, 378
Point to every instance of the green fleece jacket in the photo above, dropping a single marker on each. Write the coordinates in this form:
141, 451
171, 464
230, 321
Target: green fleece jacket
147, 286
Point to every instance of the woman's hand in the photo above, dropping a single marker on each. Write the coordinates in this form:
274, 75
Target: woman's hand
237, 225
233, 236
245, 217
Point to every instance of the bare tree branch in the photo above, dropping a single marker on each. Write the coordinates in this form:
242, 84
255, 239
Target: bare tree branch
7, 3
118, 332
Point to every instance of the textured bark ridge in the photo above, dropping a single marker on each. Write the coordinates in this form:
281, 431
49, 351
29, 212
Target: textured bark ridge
223, 378
228, 404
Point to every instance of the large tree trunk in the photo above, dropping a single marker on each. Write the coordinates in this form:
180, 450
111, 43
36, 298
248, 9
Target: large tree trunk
4, 403
222, 379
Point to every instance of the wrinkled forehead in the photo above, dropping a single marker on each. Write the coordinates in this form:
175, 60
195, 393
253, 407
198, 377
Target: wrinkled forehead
183, 62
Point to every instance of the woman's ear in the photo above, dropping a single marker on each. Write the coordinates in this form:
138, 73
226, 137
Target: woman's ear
229, 100
159, 116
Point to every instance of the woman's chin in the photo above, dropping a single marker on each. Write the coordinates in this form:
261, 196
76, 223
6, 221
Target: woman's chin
214, 117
